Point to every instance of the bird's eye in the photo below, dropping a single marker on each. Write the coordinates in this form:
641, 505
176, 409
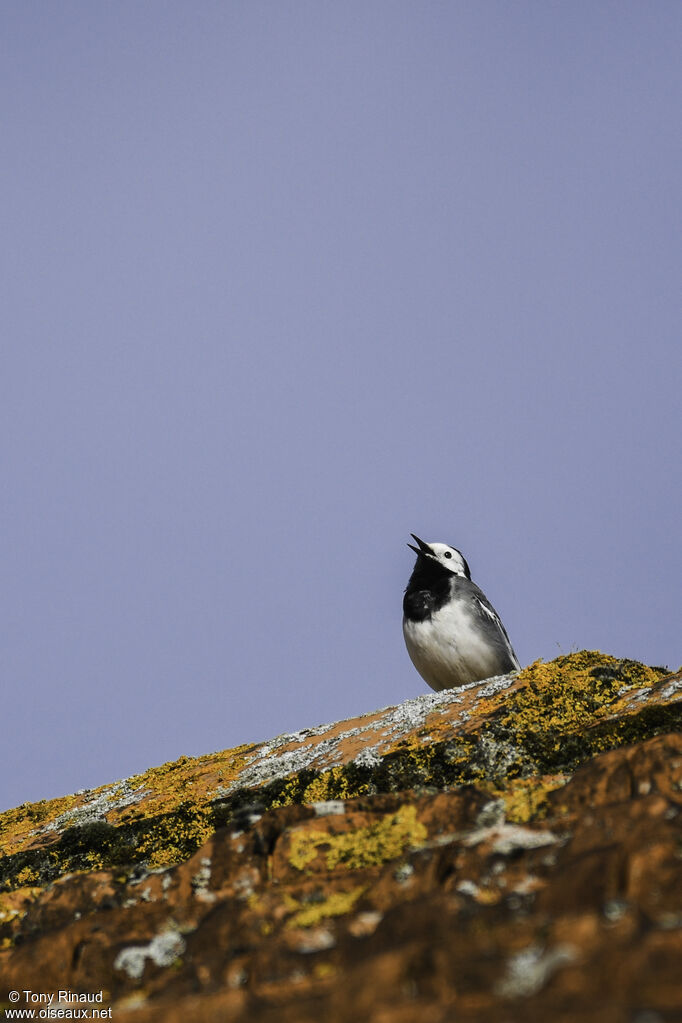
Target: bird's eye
448, 554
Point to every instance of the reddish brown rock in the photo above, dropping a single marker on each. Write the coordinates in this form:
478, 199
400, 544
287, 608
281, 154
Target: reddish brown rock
550, 896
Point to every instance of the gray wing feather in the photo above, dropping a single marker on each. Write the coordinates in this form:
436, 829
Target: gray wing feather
487, 614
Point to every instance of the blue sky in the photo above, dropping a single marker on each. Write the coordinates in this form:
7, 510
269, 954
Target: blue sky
285, 282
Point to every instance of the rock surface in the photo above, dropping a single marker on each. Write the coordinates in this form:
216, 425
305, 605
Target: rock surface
509, 851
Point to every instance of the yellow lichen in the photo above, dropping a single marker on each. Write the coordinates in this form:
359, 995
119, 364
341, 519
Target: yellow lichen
526, 798
165, 789
27, 876
336, 904
553, 717
18, 825
568, 696
175, 837
331, 784
384, 840
323, 971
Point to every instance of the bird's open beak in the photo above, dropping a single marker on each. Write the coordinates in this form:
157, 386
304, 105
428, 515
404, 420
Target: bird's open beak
423, 548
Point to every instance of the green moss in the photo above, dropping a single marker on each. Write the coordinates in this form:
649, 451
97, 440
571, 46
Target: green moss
377, 843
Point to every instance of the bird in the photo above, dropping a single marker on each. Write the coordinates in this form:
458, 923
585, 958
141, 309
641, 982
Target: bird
452, 632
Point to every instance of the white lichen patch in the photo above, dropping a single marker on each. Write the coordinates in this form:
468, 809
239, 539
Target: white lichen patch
668, 689
365, 924
506, 839
329, 808
309, 941
368, 757
673, 687
403, 873
113, 797
201, 880
395, 722
264, 767
162, 950
374, 732
468, 887
527, 885
244, 885
528, 971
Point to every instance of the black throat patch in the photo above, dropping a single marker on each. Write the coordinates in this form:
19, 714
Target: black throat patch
427, 590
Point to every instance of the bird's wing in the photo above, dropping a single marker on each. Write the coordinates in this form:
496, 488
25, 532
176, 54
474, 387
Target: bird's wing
487, 613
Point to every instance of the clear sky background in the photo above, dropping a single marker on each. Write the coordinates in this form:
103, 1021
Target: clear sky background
283, 282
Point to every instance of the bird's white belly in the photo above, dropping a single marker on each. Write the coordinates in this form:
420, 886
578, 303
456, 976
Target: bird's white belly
448, 650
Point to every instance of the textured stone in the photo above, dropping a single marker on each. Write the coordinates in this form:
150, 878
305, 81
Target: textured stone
512, 851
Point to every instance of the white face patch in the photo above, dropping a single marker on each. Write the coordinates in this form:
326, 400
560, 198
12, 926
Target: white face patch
449, 557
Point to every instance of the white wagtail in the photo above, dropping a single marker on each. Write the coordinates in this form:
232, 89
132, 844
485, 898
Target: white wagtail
452, 632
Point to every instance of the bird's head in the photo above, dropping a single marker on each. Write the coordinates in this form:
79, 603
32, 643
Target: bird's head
449, 558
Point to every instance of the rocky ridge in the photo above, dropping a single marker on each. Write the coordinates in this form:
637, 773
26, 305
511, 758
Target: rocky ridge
510, 850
